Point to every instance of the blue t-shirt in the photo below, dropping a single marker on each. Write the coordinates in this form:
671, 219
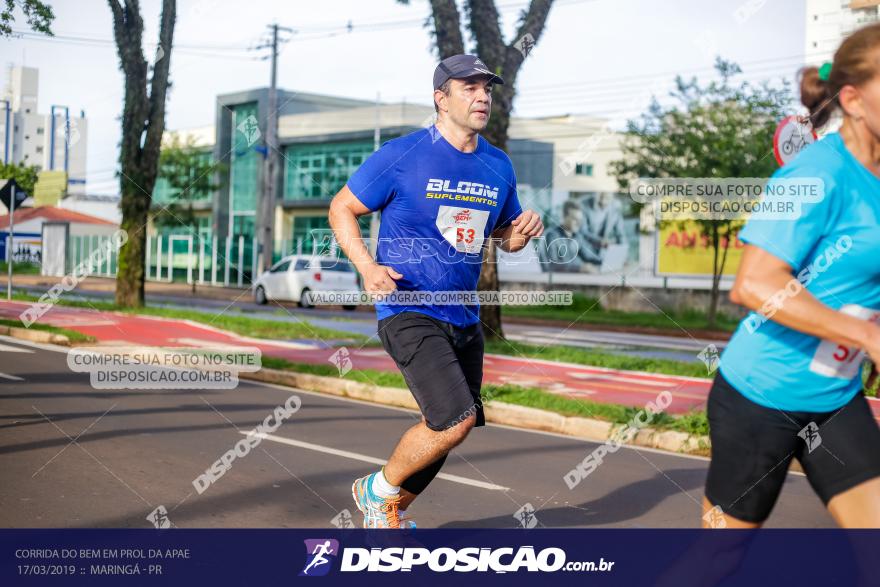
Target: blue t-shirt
833, 250
438, 206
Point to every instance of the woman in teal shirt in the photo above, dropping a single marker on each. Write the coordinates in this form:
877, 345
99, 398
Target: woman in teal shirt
790, 381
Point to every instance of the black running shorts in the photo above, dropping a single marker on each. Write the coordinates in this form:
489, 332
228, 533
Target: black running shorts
752, 447
442, 365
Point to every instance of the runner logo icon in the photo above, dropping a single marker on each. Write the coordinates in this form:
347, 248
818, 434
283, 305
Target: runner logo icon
320, 554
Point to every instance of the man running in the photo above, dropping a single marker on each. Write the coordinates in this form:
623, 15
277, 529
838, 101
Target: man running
442, 192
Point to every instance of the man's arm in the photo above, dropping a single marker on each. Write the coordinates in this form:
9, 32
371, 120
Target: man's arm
344, 212
518, 233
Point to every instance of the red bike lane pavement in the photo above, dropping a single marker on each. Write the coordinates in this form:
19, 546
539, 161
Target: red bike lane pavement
628, 388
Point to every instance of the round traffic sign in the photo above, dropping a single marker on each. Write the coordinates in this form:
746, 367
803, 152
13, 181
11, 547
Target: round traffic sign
791, 136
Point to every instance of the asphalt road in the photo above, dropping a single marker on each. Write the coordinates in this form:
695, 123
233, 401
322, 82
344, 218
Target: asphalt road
75, 456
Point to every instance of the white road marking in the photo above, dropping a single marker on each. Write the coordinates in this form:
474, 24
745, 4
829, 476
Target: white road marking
5, 348
37, 345
372, 460
10, 377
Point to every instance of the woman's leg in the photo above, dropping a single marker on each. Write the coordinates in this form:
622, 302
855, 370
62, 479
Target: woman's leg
714, 518
752, 446
858, 507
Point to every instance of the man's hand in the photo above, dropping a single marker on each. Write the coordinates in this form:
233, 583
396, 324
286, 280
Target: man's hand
517, 234
528, 224
380, 279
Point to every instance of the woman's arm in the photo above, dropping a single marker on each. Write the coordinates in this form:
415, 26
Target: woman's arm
761, 284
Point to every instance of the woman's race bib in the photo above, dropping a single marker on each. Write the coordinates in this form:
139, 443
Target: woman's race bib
836, 360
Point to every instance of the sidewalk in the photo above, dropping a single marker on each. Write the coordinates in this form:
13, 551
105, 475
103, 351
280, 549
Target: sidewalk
108, 284
627, 388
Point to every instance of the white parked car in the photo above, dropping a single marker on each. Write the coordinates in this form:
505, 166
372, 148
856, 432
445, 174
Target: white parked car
294, 276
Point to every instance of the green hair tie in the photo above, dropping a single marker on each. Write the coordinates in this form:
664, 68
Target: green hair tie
825, 71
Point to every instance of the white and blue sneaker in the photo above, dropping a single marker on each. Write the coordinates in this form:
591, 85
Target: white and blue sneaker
379, 512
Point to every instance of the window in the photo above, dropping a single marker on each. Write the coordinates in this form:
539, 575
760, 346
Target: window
39, 149
39, 130
319, 171
243, 225
163, 193
341, 266
311, 235
301, 265
584, 169
280, 267
244, 159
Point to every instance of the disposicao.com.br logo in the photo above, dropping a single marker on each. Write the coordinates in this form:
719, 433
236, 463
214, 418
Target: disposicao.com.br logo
441, 560
320, 553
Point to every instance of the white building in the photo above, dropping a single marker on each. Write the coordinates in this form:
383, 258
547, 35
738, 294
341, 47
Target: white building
102, 206
829, 22
54, 142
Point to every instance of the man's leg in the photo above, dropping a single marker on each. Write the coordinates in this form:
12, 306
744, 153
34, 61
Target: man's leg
468, 346
420, 447
423, 349
416, 483
414, 463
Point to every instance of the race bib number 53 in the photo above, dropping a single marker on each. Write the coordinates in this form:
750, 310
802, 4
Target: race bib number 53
839, 361
463, 228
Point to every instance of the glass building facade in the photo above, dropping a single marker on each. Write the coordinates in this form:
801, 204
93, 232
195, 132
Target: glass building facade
314, 173
311, 174
244, 174
318, 171
163, 194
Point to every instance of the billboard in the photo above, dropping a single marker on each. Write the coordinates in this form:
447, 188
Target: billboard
684, 249
590, 233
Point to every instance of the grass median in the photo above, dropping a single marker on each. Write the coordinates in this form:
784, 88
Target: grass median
692, 423
72, 335
586, 310
20, 268
597, 358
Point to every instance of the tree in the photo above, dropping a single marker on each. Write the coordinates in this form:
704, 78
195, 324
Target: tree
718, 130
190, 177
39, 16
143, 122
24, 175
507, 58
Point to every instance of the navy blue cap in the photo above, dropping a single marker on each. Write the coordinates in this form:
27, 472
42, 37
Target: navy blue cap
462, 66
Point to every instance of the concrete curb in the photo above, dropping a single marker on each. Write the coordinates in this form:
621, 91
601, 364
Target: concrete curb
35, 335
496, 412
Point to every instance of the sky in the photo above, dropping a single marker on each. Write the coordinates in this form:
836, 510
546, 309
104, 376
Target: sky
594, 56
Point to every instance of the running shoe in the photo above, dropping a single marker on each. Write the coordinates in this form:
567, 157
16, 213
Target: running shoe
379, 512
406, 522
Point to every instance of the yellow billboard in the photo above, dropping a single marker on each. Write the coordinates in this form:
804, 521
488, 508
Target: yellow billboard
683, 249
50, 188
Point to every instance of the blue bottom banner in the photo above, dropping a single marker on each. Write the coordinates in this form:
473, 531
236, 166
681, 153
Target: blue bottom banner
437, 557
